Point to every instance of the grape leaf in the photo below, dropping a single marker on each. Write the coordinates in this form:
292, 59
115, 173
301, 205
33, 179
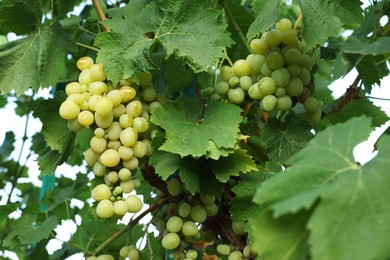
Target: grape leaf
283, 139
328, 18
355, 45
232, 165
242, 207
35, 61
29, 232
372, 71
11, 19
350, 195
266, 14
186, 136
184, 28
281, 238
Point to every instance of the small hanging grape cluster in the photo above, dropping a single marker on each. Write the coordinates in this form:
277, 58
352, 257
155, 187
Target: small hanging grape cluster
277, 73
122, 134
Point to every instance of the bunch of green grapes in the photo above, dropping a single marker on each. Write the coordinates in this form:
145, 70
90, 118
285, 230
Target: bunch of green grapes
122, 133
129, 251
277, 73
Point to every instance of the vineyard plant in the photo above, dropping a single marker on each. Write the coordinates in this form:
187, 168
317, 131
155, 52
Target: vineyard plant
202, 129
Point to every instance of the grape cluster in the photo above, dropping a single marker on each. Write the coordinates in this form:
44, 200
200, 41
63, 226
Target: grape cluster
122, 133
277, 73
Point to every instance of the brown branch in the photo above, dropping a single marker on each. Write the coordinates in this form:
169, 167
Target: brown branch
348, 96
100, 13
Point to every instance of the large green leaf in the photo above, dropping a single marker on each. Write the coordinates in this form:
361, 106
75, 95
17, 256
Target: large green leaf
342, 195
266, 14
185, 28
13, 21
284, 139
189, 129
35, 61
371, 70
358, 46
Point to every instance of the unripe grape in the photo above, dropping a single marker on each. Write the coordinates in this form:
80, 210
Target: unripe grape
235, 255
283, 24
305, 76
284, 103
222, 88
293, 56
104, 107
211, 209
226, 72
72, 88
192, 254
140, 124
104, 122
85, 118
101, 192
207, 199
246, 82
114, 131
127, 93
289, 38
129, 136
98, 144
259, 46
85, 77
223, 249
314, 118
190, 229
294, 87
97, 88
125, 153
198, 213
255, 62
118, 111
307, 62
273, 37
99, 169
124, 251
105, 257
170, 241
267, 85
137, 183
124, 174
120, 207
274, 60
254, 92
112, 177
184, 209
126, 120
238, 227
174, 224
69, 110
174, 187
115, 97
281, 77
131, 164
139, 149
105, 209
91, 258
236, 95
115, 145
110, 158
127, 186
134, 108
241, 68
74, 125
84, 63
93, 101
91, 157
265, 71
311, 105
268, 103
153, 106
134, 203
294, 70
133, 254
149, 94
97, 73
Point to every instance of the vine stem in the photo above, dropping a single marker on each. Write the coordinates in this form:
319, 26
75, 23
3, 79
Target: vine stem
87, 46
235, 25
100, 13
117, 234
378, 98
227, 57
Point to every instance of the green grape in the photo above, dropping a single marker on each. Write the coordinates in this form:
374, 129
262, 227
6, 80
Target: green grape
174, 224
129, 136
85, 118
124, 251
119, 110
280, 92
85, 77
117, 191
198, 213
99, 132
236, 95
139, 149
101, 192
267, 85
110, 158
134, 108
192, 254
91, 258
265, 71
92, 101
294, 70
301, 47
254, 92
174, 187
184, 209
105, 257
246, 82
97, 88
283, 25
273, 37
294, 87
126, 121
114, 131
115, 145
207, 199
311, 105
259, 46
211, 209
140, 124
281, 77
314, 118
233, 81
127, 186
77, 98
105, 209
124, 174
72, 88
91, 157
134, 203
293, 56
238, 227
112, 177
226, 72
255, 62
131, 164
148, 147
99, 169
223, 249
120, 207
97, 73
235, 255
104, 122
307, 62
170, 241
222, 88
268, 103
289, 38
284, 103
241, 68
190, 229
249, 252
149, 94
153, 106
274, 60
305, 76
84, 63
133, 254
98, 144
115, 97
127, 93
69, 110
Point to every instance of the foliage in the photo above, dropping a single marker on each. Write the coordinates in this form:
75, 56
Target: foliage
290, 181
